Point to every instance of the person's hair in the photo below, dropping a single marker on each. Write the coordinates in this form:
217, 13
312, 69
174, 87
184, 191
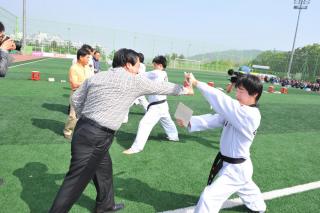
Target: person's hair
252, 84
141, 57
2, 29
82, 52
96, 51
87, 46
160, 59
124, 56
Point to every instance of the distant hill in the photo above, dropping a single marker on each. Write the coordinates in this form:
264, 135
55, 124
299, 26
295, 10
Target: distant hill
237, 56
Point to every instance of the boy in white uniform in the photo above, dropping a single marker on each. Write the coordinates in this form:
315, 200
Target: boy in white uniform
142, 69
142, 99
240, 120
158, 109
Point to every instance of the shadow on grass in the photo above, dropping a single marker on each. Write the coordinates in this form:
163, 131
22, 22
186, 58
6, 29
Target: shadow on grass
39, 188
126, 139
56, 107
137, 191
136, 113
242, 208
54, 126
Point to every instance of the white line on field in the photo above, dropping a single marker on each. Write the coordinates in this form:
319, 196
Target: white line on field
266, 196
29, 63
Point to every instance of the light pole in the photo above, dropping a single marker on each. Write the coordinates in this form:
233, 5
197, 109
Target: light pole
69, 40
24, 34
298, 4
188, 51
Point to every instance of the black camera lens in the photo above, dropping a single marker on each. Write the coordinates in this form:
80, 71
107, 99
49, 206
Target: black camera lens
234, 79
18, 45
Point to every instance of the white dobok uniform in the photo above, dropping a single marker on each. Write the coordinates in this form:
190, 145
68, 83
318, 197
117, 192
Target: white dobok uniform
240, 123
154, 114
142, 99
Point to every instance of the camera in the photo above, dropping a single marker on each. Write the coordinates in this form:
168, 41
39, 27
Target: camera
234, 75
17, 43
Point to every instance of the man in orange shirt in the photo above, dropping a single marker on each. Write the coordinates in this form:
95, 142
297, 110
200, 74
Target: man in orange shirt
77, 74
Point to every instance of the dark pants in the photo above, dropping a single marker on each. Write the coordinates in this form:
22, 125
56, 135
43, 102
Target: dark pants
90, 159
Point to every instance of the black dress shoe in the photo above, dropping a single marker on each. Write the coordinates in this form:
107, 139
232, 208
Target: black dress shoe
115, 208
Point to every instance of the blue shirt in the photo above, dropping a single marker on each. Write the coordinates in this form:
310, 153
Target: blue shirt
96, 65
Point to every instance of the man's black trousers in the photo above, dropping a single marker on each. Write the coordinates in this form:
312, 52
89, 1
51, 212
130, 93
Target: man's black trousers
90, 160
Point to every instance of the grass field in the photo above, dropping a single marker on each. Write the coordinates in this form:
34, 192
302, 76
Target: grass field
34, 156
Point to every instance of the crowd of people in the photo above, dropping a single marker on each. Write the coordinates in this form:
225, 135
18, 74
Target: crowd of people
301, 84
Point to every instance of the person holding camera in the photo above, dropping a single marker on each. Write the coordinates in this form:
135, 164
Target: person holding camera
240, 120
6, 44
233, 79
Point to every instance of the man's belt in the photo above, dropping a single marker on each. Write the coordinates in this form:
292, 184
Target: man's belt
155, 103
94, 123
218, 162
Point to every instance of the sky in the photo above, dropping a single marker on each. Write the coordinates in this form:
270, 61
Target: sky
204, 25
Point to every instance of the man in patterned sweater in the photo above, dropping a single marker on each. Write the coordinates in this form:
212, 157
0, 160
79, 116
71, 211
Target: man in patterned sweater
101, 103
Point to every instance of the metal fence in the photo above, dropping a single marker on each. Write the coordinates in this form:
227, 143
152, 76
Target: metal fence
10, 21
64, 38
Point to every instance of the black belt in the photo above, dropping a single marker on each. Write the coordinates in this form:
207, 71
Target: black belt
94, 123
155, 103
218, 162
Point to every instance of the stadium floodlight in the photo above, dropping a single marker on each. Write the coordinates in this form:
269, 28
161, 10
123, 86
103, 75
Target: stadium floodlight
300, 5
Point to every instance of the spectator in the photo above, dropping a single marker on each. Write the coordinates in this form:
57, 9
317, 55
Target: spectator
96, 61
77, 75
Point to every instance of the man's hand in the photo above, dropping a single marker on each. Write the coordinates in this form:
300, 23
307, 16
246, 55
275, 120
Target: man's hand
180, 122
189, 77
189, 90
187, 86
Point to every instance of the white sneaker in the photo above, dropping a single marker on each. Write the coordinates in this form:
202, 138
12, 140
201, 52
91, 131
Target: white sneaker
125, 120
173, 139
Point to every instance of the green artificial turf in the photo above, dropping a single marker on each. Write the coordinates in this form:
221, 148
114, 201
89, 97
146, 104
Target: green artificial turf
34, 156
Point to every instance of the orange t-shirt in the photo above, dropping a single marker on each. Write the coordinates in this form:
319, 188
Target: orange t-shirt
77, 75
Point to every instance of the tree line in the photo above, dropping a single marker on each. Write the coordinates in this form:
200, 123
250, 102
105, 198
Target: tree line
306, 62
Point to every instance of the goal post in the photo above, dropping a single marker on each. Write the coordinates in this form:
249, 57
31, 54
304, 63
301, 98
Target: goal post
188, 64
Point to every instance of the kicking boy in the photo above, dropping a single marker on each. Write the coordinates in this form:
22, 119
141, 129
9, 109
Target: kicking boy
157, 109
